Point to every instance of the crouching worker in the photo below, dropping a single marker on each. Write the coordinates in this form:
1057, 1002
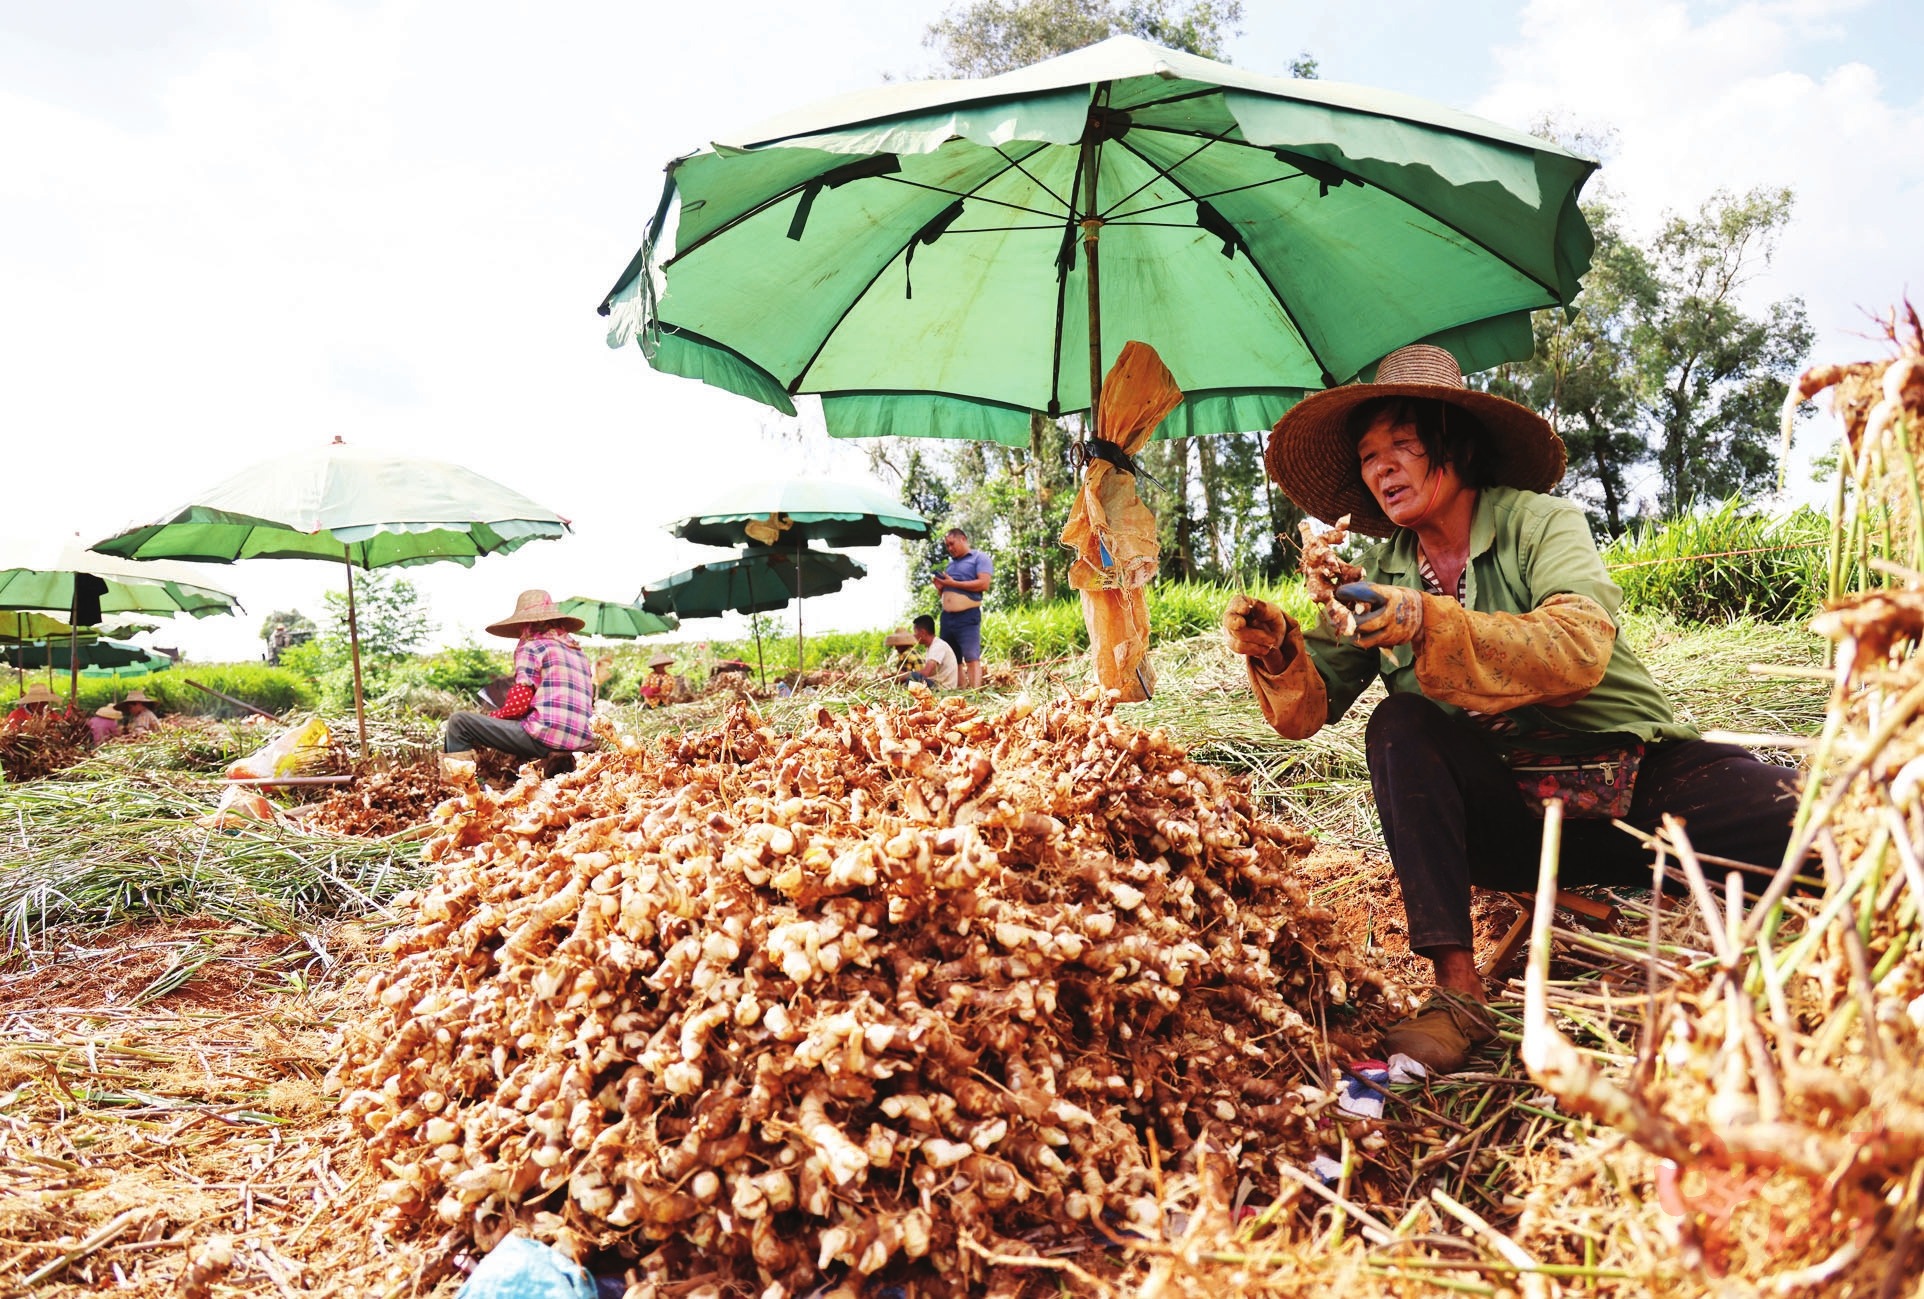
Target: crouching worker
1489, 616
939, 667
550, 703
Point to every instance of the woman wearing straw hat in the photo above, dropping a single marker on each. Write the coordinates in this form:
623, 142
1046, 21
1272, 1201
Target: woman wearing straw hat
104, 724
1489, 616
34, 702
552, 699
139, 710
660, 685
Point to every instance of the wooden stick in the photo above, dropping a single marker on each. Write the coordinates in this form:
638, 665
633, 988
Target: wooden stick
238, 703
88, 1246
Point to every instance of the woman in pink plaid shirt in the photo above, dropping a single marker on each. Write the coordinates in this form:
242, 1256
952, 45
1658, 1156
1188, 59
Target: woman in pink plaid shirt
551, 702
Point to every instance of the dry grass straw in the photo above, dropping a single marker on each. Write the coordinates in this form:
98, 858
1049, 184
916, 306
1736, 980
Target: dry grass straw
1763, 1126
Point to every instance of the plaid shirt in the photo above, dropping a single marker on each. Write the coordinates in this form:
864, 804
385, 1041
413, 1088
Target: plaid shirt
564, 691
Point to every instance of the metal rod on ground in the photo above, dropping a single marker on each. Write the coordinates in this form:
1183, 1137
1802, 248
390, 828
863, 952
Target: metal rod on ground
354, 640
238, 703
342, 779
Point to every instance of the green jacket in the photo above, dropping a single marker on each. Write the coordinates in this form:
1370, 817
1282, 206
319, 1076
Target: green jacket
1524, 548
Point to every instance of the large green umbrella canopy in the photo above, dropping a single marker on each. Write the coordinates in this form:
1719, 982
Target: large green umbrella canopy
616, 621
345, 505
920, 254
835, 514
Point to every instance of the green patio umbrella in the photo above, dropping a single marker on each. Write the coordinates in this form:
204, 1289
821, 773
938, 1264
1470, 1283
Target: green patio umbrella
786, 515
942, 258
90, 654
59, 576
615, 621
755, 582
780, 512
345, 505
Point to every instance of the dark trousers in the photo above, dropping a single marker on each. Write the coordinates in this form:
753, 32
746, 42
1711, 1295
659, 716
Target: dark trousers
1453, 816
465, 730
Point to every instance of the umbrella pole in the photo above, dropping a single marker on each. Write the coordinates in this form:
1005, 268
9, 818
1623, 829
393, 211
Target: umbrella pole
73, 651
354, 641
798, 615
761, 666
1091, 232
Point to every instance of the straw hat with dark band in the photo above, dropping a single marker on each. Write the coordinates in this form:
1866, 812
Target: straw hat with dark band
1313, 458
533, 607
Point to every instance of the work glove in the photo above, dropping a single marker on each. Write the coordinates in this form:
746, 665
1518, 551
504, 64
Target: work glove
1386, 615
1256, 628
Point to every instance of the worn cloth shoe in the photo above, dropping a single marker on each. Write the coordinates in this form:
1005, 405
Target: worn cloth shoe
1442, 1033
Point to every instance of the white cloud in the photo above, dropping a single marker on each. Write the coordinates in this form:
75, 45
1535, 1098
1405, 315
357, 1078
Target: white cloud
1734, 96
390, 221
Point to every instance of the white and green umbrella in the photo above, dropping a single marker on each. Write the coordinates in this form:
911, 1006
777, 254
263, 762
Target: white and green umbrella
55, 575
345, 505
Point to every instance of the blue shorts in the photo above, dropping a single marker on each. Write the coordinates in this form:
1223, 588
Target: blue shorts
963, 632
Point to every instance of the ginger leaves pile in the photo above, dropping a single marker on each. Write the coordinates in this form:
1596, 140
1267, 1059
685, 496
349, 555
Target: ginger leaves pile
882, 995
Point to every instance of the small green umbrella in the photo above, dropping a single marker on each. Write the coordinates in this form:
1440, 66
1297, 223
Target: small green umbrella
941, 258
615, 621
788, 514
90, 654
755, 582
785, 512
345, 505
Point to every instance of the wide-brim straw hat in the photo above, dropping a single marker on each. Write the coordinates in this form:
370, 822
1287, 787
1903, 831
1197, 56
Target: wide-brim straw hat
662, 661
109, 712
37, 693
140, 697
899, 639
533, 607
1313, 458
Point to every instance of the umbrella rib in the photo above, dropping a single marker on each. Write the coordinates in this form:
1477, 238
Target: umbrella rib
1157, 172
1123, 218
1275, 293
1034, 179
972, 195
1407, 202
795, 385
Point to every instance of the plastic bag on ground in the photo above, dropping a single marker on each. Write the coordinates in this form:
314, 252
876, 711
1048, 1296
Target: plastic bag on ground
294, 750
520, 1268
238, 809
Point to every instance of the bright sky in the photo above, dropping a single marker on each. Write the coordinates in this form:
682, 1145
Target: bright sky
230, 229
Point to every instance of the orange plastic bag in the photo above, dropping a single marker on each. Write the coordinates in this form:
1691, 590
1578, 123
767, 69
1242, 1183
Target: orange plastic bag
1112, 532
238, 809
